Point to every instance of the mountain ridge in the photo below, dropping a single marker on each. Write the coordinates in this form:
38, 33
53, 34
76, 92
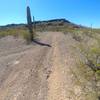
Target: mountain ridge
59, 22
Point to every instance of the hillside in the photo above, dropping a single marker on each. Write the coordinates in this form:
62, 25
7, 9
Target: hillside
63, 63
53, 22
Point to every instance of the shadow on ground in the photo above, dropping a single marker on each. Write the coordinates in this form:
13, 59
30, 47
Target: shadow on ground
41, 43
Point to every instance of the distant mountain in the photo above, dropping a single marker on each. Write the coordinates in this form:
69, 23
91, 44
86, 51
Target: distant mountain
53, 22
57, 22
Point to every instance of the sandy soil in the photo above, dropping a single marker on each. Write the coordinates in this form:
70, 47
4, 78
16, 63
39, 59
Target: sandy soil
45, 71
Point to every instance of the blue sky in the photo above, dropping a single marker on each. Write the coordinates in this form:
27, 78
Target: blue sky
84, 12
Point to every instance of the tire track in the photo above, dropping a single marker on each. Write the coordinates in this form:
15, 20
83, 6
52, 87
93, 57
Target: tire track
56, 80
23, 81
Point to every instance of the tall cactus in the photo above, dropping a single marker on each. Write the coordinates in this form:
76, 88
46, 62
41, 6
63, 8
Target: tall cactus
34, 25
29, 22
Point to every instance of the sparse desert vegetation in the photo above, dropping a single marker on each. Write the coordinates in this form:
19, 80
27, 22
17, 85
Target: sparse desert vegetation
56, 59
67, 57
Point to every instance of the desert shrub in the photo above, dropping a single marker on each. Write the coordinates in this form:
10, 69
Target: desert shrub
78, 36
26, 36
92, 56
98, 74
2, 34
16, 32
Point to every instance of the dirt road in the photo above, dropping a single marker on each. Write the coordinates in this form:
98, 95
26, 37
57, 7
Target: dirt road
43, 71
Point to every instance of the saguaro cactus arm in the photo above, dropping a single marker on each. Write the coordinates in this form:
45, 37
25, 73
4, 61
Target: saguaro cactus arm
34, 25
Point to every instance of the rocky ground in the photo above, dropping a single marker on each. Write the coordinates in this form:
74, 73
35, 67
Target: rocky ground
44, 70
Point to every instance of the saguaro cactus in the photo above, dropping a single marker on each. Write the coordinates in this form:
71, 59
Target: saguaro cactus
34, 25
29, 22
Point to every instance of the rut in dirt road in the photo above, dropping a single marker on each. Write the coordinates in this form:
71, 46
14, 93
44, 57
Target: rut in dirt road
22, 80
59, 88
56, 80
